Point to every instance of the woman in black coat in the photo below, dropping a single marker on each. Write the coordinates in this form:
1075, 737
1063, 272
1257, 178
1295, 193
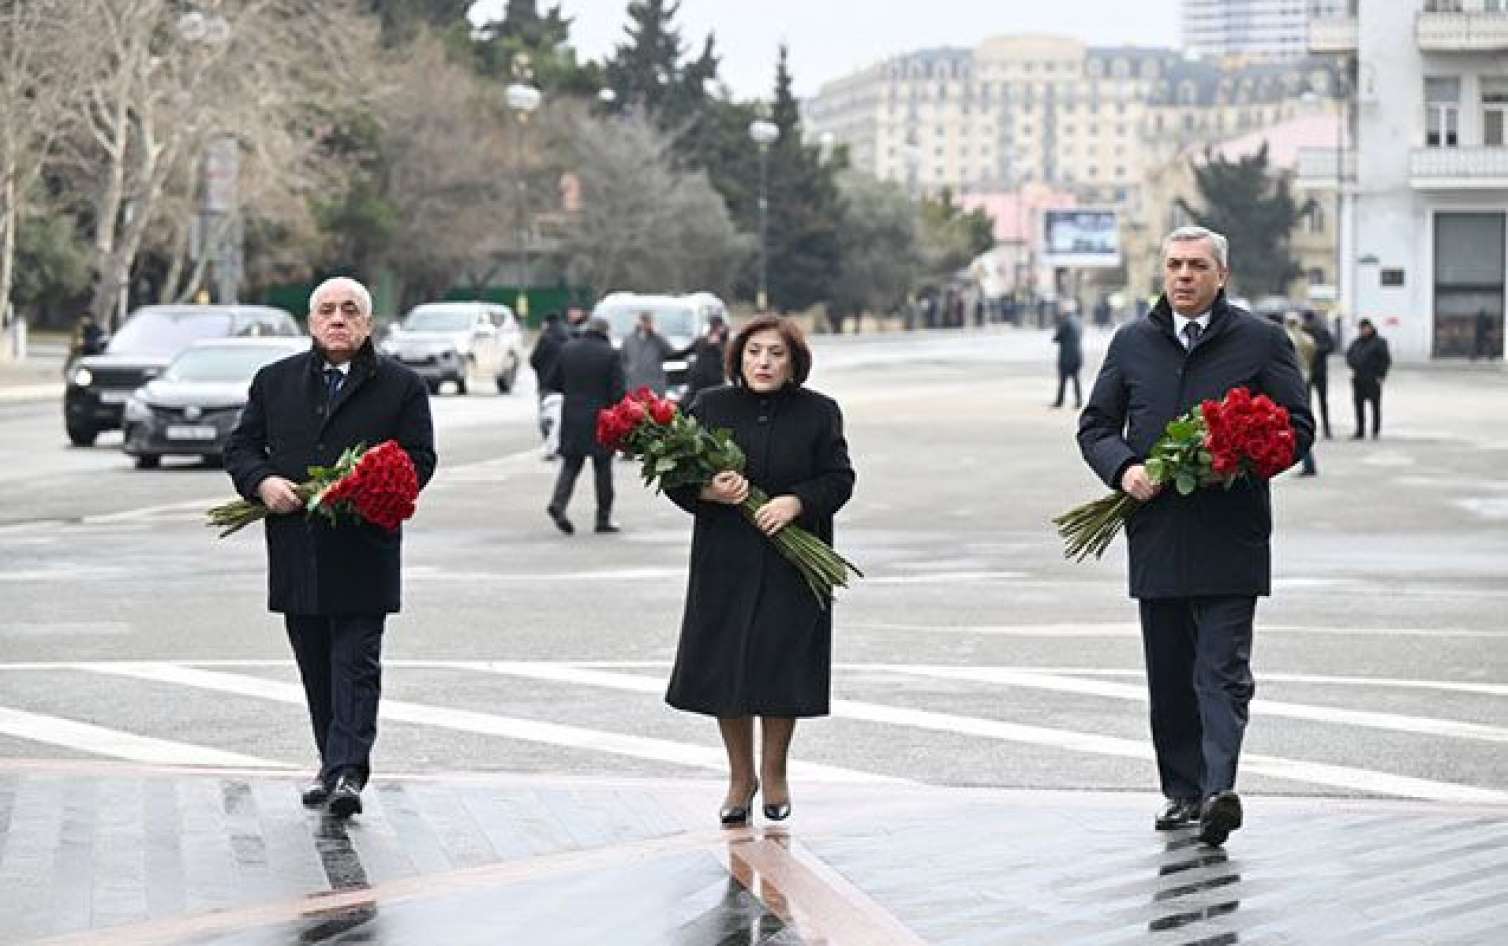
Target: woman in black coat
754, 640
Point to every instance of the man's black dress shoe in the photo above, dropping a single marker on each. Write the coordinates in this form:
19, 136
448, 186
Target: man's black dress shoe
1221, 816
733, 816
345, 798
561, 522
607, 528
1179, 813
315, 792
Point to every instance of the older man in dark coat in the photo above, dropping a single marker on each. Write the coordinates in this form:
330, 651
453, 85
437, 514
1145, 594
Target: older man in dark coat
334, 585
1198, 562
590, 375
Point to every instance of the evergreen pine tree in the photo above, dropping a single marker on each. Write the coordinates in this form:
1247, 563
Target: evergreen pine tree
644, 71
1256, 211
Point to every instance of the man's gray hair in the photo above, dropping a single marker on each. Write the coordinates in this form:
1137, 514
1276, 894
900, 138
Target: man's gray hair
599, 325
1190, 233
363, 297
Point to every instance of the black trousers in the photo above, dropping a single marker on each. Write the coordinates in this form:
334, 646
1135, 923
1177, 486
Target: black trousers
1319, 386
565, 483
1198, 653
340, 662
1063, 376
1364, 390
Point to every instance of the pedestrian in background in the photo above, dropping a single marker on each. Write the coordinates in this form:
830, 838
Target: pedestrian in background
707, 354
1481, 342
589, 375
1369, 360
1199, 562
552, 338
333, 584
1308, 353
644, 354
754, 641
1069, 338
1319, 372
575, 317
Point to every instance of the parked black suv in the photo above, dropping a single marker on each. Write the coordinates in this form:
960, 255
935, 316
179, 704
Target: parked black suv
99, 385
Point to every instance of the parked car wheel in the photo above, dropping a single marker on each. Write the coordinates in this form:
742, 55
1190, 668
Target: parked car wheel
81, 436
148, 461
507, 379
461, 385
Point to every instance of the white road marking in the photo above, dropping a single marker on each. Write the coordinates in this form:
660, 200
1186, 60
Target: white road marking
1314, 773
87, 737
528, 730
1125, 629
1393, 722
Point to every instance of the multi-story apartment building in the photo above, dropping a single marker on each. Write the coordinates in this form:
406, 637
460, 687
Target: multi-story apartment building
1272, 30
1018, 110
1423, 173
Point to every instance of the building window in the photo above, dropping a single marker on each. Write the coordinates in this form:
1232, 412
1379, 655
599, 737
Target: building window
1494, 110
1442, 112
1317, 277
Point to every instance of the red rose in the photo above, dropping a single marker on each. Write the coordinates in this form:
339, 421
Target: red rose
663, 412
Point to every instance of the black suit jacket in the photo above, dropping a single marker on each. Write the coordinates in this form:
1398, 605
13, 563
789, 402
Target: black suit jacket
1215, 541
312, 567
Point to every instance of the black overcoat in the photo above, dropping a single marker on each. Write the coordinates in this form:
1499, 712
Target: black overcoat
1069, 339
314, 568
590, 375
753, 639
1215, 541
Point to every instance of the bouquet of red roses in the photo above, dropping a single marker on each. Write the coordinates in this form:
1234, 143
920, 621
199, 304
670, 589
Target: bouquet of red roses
1217, 442
674, 450
379, 486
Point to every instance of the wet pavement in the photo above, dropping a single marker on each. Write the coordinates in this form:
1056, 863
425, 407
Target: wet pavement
119, 854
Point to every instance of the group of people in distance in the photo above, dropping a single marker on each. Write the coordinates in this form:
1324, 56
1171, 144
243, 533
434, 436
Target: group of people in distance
755, 644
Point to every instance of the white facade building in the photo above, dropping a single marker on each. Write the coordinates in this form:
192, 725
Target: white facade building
1424, 241
1251, 29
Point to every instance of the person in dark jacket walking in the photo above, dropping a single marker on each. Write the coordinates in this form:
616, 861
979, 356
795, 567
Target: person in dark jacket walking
1319, 373
754, 640
552, 338
707, 354
1069, 339
590, 375
1198, 563
334, 585
1369, 361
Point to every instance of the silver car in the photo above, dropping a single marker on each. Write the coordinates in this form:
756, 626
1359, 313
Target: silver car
190, 409
459, 342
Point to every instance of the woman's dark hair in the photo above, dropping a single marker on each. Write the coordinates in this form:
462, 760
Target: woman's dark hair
790, 333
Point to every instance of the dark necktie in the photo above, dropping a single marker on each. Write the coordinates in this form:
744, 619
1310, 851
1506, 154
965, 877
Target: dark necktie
333, 377
1192, 331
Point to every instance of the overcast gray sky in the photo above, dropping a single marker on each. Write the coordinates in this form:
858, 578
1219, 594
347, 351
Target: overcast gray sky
829, 38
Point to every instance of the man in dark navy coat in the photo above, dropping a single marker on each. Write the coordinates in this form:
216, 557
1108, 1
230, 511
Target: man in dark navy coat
590, 375
1197, 562
334, 585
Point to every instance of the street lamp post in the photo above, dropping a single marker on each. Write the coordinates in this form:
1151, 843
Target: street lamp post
764, 133
523, 99
219, 231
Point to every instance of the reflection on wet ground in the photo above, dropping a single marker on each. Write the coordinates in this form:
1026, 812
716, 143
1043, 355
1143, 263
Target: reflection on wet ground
121, 856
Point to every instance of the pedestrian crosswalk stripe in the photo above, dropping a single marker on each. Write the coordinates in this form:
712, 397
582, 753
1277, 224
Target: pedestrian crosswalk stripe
87, 737
1335, 776
402, 711
1395, 722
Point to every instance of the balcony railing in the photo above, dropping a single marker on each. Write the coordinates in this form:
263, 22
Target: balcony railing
1462, 26
1333, 34
1318, 168
1480, 168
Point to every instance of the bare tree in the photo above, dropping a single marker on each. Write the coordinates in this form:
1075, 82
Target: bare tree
159, 91
37, 81
642, 225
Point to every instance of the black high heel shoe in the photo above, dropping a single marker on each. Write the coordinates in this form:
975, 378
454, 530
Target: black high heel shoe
778, 811
733, 816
